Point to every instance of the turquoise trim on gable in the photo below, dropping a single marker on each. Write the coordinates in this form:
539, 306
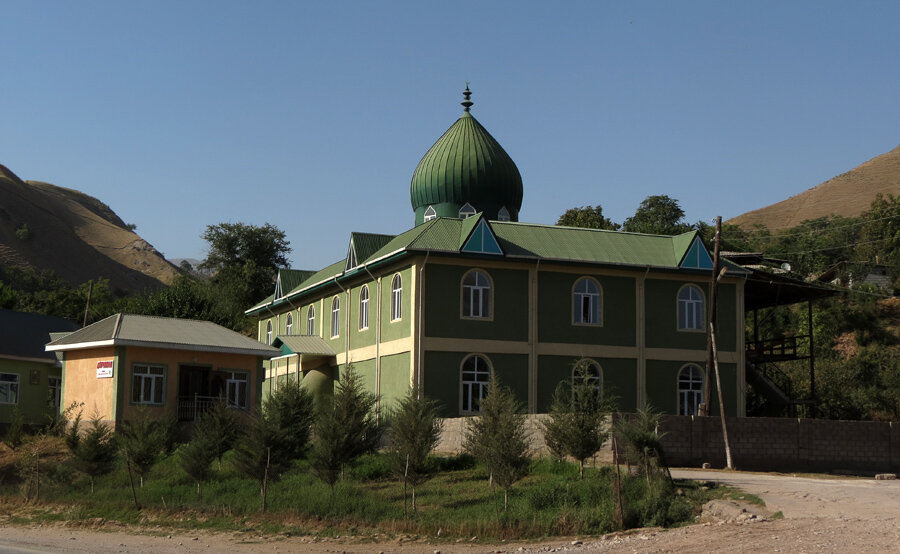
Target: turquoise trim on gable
697, 257
482, 240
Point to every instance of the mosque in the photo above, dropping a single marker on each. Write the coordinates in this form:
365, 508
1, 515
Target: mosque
470, 291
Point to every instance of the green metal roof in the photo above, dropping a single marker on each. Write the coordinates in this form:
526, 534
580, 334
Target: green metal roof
161, 332
524, 241
311, 345
466, 165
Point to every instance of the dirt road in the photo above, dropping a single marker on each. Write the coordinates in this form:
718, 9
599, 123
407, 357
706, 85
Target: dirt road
820, 515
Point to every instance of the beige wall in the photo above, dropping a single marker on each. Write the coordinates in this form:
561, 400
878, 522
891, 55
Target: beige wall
80, 383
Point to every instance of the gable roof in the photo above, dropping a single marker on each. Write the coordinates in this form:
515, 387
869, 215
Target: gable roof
24, 335
161, 332
527, 241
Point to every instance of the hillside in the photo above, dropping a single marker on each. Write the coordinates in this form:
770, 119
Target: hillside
75, 235
848, 194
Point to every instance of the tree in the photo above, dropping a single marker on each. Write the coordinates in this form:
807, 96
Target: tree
577, 423
245, 259
95, 451
498, 437
587, 217
196, 457
141, 440
220, 428
657, 215
345, 428
414, 432
642, 441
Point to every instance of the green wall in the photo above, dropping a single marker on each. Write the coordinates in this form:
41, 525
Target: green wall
661, 309
367, 336
32, 401
662, 386
393, 330
619, 380
443, 284
555, 304
443, 376
394, 378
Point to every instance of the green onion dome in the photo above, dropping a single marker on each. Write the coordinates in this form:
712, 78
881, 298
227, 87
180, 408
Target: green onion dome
466, 172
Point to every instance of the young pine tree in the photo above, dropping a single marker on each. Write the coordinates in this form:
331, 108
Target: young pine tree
414, 432
577, 424
345, 428
642, 442
498, 437
141, 440
95, 450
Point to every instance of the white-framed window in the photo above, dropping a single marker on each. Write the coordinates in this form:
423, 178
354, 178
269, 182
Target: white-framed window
335, 317
587, 302
148, 384
691, 312
396, 297
9, 388
690, 389
289, 324
467, 211
476, 295
430, 214
237, 387
269, 332
503, 214
364, 308
54, 392
311, 321
590, 373
476, 375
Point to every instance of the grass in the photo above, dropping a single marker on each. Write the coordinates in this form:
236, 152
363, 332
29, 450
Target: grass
456, 503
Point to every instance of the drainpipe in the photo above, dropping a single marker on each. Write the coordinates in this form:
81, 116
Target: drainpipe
421, 331
377, 337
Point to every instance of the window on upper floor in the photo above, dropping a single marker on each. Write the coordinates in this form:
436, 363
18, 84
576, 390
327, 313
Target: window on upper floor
269, 332
475, 377
364, 307
587, 298
396, 297
430, 214
467, 211
503, 214
289, 324
335, 317
476, 295
691, 311
311, 321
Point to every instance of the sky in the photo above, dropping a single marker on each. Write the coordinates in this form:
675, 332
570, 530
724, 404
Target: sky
312, 116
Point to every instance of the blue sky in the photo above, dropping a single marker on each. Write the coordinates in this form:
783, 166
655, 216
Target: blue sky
312, 116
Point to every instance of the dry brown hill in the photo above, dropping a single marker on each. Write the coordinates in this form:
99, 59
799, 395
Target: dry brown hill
848, 194
75, 235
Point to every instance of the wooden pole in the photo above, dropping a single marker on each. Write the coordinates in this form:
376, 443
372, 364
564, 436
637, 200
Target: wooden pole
728, 461
704, 408
87, 305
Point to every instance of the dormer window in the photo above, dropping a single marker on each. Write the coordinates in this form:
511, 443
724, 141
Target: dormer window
467, 211
430, 213
503, 214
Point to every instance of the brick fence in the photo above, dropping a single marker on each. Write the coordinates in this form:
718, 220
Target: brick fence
765, 443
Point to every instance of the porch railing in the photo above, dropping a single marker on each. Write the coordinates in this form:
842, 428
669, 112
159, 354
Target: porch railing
192, 407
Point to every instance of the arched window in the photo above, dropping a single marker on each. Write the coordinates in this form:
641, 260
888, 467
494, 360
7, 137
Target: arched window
476, 295
289, 324
396, 297
690, 389
430, 213
586, 302
503, 214
588, 372
335, 317
311, 321
364, 308
476, 374
467, 211
269, 332
691, 316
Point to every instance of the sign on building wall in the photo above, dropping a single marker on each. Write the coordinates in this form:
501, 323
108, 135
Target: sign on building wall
105, 369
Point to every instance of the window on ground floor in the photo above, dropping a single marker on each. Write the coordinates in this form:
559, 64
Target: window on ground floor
476, 375
148, 384
690, 389
9, 388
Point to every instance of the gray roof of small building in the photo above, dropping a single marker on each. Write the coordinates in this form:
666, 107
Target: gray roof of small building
162, 332
23, 335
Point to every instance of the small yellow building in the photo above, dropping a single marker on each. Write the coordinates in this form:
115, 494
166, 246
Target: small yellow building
169, 367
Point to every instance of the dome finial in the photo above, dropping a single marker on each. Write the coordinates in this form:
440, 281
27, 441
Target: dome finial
467, 94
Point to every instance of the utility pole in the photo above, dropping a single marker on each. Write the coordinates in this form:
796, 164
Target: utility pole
87, 305
704, 407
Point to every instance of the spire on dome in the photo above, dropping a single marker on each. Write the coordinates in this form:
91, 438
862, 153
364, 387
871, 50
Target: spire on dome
467, 94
